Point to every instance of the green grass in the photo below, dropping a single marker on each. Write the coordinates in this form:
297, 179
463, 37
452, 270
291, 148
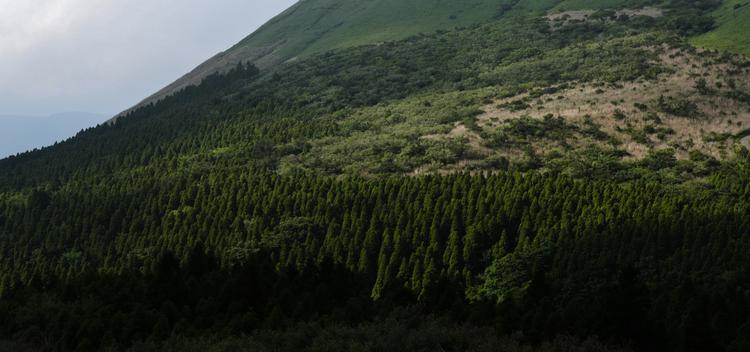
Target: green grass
732, 31
315, 26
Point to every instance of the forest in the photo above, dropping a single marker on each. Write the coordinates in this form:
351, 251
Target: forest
281, 210
236, 252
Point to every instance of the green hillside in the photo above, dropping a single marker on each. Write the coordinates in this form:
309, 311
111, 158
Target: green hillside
463, 189
316, 26
312, 26
732, 28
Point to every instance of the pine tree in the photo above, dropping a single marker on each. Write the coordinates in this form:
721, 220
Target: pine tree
453, 249
383, 275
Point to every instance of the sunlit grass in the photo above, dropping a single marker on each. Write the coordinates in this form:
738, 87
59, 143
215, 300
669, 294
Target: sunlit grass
732, 31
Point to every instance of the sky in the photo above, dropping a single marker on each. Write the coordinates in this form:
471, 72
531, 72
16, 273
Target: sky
105, 55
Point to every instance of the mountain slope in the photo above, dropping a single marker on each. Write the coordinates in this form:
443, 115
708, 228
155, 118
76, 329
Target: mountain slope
467, 189
732, 28
312, 26
315, 26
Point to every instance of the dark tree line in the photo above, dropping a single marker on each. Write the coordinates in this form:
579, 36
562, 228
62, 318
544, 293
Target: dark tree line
236, 251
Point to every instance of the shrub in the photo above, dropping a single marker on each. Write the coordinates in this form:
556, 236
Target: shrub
679, 107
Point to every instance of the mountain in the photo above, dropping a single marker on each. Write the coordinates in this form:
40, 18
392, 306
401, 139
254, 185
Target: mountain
374, 175
22, 133
316, 26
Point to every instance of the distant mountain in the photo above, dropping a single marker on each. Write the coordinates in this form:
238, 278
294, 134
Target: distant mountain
22, 133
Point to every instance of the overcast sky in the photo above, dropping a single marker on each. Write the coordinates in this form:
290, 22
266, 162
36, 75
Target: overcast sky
104, 56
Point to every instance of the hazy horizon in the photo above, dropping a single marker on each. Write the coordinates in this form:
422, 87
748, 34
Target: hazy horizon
20, 133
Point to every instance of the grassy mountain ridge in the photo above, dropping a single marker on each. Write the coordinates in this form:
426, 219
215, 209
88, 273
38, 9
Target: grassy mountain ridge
732, 26
315, 26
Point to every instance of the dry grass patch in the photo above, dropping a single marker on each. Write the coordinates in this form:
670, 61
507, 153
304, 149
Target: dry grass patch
670, 111
580, 16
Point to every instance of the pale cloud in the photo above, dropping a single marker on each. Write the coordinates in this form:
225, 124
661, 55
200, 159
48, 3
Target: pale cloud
26, 24
106, 55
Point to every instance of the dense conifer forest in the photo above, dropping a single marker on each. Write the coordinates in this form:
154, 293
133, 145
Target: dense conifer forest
309, 207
